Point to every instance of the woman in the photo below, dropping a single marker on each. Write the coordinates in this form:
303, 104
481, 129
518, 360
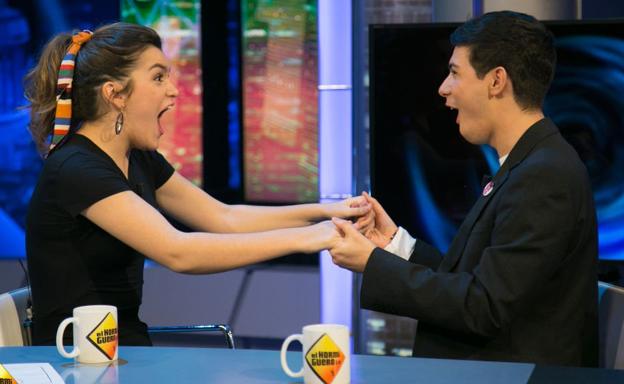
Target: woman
95, 212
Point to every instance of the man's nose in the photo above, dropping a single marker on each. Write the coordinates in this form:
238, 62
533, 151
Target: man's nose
444, 89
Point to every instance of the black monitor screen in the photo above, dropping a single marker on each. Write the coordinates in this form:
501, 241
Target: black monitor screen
427, 176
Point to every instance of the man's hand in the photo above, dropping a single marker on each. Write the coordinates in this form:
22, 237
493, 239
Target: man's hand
353, 251
366, 222
384, 228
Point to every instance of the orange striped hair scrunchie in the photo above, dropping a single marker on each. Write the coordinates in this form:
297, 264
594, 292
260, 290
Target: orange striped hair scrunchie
62, 118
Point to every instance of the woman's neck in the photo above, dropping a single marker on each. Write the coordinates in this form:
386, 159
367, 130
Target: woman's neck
102, 134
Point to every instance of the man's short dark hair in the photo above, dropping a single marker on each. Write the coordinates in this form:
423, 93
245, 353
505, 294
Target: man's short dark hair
517, 42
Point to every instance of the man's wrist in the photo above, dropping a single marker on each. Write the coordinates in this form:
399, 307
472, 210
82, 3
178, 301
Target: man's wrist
391, 235
394, 234
402, 244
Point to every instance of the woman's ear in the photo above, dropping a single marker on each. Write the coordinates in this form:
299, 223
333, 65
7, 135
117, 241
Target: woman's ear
111, 92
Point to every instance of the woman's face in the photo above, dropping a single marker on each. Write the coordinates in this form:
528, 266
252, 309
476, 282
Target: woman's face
152, 95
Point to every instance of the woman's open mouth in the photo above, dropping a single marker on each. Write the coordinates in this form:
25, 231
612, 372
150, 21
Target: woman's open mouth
160, 114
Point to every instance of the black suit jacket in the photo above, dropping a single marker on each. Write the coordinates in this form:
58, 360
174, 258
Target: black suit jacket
518, 282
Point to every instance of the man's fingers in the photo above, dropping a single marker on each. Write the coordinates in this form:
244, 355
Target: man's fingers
341, 224
361, 224
365, 222
368, 197
373, 202
336, 262
345, 226
369, 217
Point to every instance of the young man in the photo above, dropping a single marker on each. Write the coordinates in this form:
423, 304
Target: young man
518, 282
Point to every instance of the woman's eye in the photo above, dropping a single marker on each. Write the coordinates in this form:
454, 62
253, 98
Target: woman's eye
159, 77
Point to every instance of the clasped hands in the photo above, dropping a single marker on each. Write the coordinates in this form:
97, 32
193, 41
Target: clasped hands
355, 241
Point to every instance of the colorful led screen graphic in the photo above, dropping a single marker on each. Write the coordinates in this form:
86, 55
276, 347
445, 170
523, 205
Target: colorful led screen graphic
178, 24
280, 72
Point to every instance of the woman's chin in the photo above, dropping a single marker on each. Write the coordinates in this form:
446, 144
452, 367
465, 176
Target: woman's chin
151, 145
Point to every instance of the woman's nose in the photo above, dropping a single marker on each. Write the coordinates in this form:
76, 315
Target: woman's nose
172, 91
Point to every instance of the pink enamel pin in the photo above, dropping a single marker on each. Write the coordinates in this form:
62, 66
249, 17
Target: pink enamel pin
488, 188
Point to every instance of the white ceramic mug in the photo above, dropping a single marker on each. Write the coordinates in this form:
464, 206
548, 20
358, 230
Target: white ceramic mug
325, 354
95, 334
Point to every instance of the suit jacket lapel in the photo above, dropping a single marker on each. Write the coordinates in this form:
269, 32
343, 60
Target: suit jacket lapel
459, 242
536, 133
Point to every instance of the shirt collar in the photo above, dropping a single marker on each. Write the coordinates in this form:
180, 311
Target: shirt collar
501, 160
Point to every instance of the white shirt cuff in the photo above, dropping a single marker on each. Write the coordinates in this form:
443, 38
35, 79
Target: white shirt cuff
402, 245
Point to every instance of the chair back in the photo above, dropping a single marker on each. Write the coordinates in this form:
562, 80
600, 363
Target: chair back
15, 318
611, 326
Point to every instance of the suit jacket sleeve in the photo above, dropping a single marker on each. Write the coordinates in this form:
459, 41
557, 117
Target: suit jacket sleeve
425, 254
536, 217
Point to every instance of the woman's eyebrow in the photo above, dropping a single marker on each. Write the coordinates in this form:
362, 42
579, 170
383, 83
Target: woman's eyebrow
159, 65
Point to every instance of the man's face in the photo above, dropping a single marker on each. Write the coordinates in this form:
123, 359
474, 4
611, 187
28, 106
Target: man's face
468, 94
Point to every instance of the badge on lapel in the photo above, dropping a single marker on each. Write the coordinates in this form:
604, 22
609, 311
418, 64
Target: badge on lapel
488, 188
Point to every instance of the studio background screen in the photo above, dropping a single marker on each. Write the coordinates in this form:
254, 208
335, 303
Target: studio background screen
427, 176
280, 121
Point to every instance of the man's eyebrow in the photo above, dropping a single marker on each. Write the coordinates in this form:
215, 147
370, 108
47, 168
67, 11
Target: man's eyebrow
453, 66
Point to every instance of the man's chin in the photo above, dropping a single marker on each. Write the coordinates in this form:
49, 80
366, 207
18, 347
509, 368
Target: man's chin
472, 139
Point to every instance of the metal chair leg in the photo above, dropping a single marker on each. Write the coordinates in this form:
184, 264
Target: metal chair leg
224, 328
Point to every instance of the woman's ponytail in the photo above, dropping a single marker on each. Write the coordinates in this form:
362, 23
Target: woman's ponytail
40, 90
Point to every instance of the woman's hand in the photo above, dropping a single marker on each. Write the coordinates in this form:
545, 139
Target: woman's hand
320, 236
351, 208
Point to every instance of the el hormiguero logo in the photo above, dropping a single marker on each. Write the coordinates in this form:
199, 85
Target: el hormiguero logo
5, 376
104, 336
325, 359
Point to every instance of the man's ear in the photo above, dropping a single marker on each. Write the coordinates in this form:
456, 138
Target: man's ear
111, 92
498, 81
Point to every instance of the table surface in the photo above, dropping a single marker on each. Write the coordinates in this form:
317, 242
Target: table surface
210, 365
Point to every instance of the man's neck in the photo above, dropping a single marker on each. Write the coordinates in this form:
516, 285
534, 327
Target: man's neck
511, 127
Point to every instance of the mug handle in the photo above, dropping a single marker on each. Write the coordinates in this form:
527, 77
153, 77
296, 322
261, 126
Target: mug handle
59, 338
285, 367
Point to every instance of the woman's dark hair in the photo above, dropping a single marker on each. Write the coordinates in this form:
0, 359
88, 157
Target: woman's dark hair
110, 55
517, 42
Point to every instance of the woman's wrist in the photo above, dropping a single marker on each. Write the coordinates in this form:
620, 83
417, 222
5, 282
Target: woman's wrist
326, 213
329, 210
